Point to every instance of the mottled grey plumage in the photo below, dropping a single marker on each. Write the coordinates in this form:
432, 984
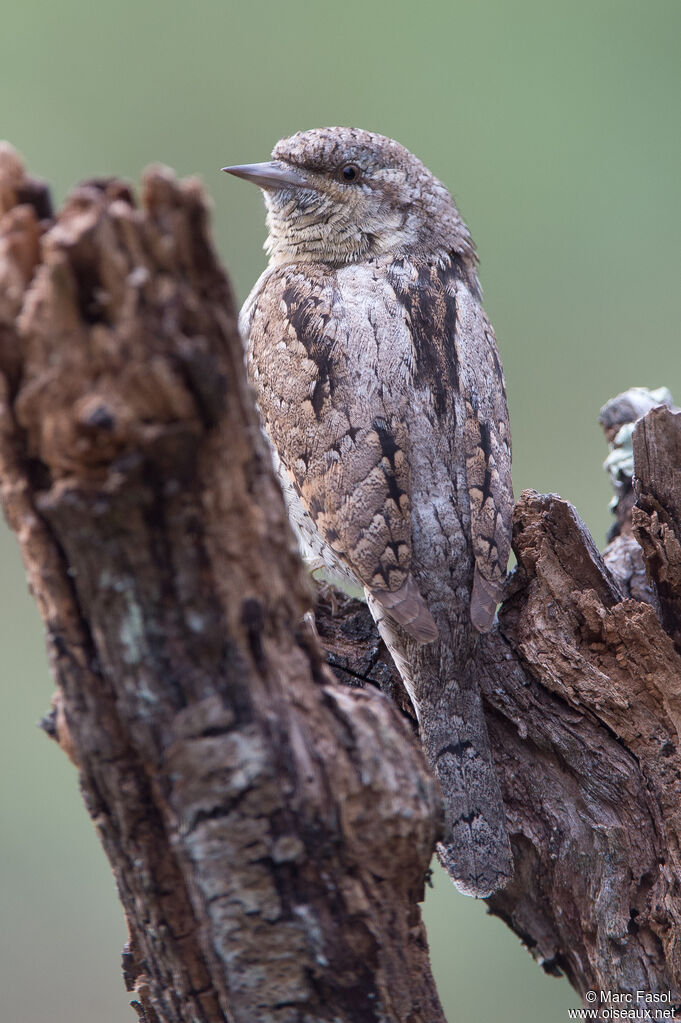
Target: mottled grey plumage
380, 387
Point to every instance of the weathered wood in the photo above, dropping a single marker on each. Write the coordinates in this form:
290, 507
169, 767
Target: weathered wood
657, 515
605, 840
269, 829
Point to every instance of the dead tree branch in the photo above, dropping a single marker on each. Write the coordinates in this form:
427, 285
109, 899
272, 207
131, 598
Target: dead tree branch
270, 829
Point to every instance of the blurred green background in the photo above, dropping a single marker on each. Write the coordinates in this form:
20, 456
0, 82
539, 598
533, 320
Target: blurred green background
557, 128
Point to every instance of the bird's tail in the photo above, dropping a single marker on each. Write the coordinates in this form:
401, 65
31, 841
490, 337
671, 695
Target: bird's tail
443, 687
475, 849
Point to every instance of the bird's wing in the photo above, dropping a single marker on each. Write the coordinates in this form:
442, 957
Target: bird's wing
487, 451
457, 362
320, 343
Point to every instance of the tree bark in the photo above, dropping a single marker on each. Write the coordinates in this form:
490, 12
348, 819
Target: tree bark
270, 829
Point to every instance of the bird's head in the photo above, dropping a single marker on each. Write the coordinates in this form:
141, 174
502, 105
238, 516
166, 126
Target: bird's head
341, 195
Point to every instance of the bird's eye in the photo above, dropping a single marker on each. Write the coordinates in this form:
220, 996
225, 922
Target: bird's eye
350, 172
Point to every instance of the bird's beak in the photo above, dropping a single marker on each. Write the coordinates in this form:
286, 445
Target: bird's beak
271, 175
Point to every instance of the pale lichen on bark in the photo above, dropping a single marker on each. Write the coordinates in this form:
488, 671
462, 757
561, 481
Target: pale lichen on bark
269, 828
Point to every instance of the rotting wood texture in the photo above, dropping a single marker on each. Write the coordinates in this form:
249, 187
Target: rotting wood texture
269, 828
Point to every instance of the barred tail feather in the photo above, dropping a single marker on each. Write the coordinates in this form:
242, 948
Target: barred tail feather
475, 849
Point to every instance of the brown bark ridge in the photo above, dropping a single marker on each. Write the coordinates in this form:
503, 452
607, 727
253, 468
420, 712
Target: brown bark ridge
269, 828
